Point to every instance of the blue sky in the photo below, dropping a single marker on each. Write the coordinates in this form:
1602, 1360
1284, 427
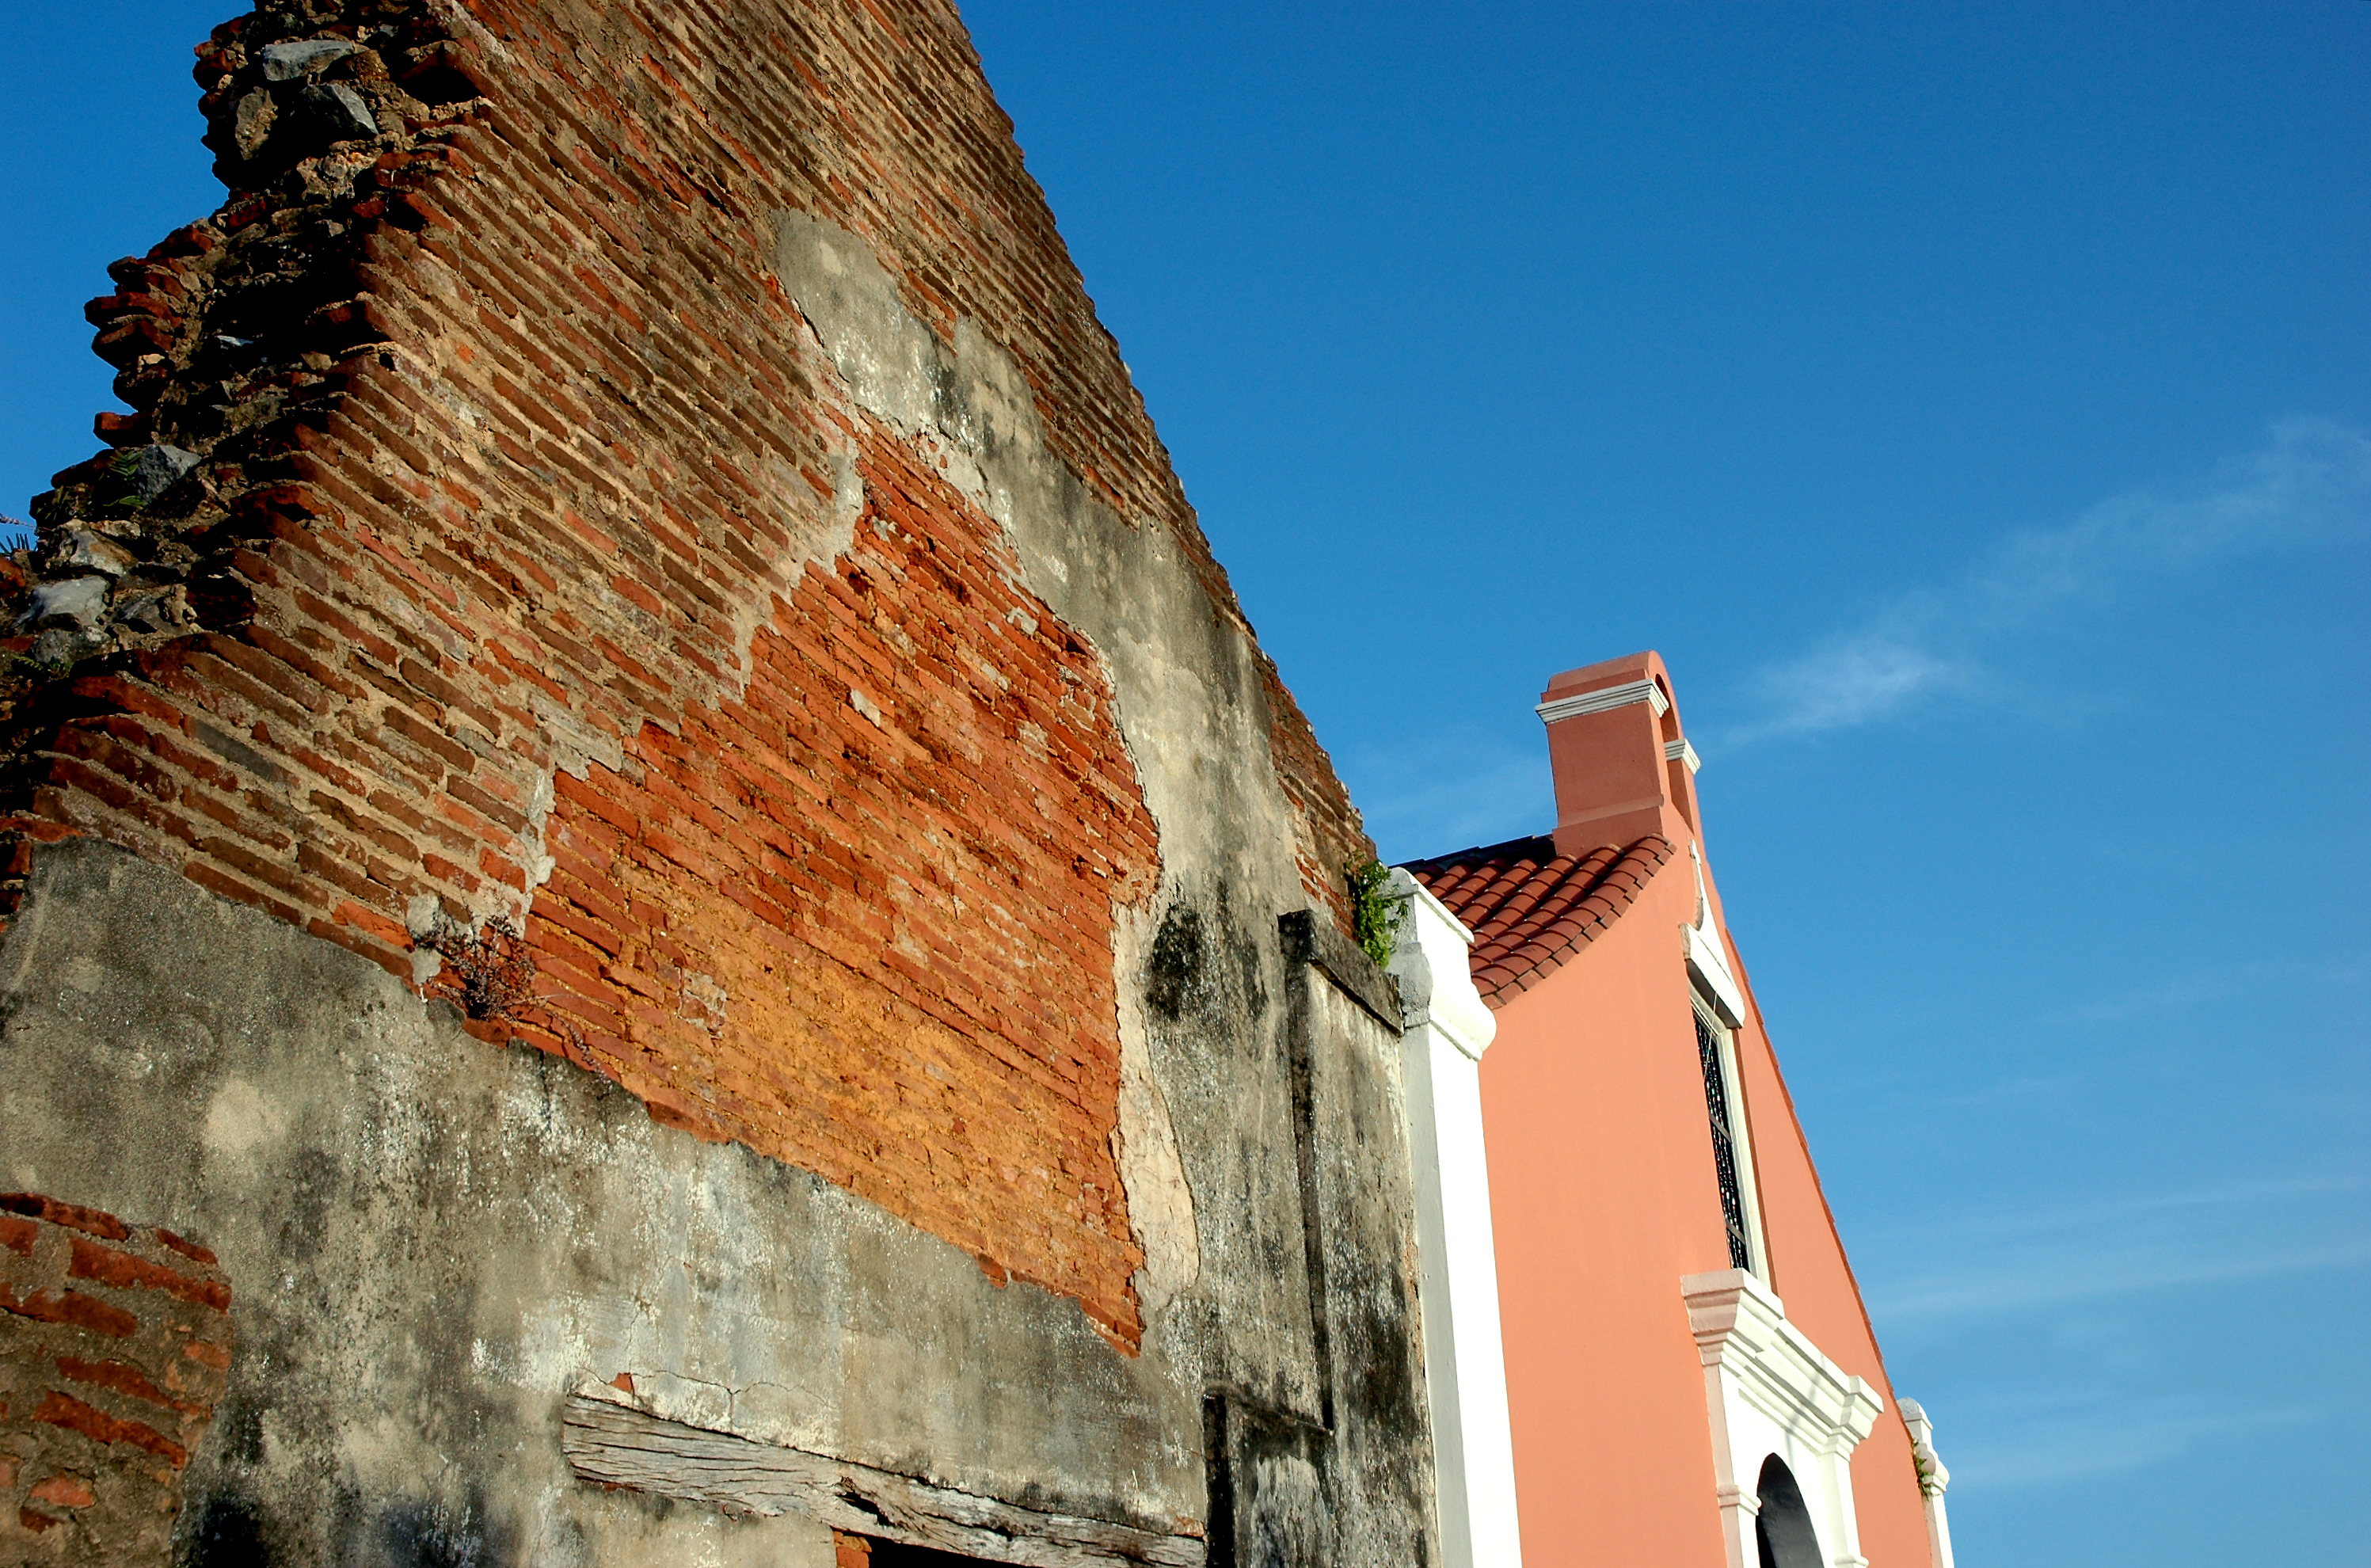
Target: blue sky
1974, 405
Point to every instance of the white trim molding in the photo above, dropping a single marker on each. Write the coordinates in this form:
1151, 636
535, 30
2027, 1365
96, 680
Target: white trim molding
1770, 1392
1933, 1479
1447, 1028
1708, 957
1680, 750
1439, 990
1604, 699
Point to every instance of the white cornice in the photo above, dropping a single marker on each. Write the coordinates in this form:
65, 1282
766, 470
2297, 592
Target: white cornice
1435, 970
1425, 898
1771, 1395
1680, 750
1605, 698
1933, 1479
1742, 1329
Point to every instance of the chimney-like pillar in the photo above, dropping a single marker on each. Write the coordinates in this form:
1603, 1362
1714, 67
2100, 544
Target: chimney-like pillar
1622, 768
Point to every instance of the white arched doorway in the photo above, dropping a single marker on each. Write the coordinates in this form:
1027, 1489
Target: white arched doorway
1775, 1401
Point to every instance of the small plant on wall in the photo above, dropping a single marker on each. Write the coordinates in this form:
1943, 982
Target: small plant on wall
490, 972
1375, 916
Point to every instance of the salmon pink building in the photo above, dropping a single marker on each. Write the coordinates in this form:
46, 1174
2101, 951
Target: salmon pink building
1690, 1375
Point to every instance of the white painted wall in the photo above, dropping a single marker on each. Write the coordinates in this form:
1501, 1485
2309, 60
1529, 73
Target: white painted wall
1448, 1027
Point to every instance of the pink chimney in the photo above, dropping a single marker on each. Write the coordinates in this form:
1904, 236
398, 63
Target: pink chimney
1623, 768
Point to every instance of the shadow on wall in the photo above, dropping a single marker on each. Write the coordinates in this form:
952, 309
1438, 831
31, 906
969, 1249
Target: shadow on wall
232, 1532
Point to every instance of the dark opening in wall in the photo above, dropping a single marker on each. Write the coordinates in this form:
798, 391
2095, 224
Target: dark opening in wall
864, 1551
1782, 1530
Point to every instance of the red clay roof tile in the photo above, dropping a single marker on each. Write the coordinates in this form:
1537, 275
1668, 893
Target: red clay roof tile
1531, 909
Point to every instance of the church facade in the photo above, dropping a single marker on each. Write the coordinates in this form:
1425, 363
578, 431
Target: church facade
1690, 1373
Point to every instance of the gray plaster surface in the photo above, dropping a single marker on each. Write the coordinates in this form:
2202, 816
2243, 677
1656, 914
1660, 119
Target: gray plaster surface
433, 1240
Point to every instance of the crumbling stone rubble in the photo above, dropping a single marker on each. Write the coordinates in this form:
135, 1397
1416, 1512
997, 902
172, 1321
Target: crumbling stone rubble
228, 330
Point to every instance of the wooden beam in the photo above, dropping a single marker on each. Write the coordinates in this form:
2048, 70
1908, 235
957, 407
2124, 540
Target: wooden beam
617, 1444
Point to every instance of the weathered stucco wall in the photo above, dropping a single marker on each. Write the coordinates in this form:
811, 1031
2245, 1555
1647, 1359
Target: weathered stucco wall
442, 1238
630, 526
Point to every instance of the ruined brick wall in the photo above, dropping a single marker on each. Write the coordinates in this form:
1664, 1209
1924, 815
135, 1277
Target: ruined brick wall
920, 786
493, 541
634, 548
116, 1348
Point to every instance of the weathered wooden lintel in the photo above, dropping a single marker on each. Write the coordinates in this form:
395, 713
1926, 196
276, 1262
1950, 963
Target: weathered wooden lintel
617, 1444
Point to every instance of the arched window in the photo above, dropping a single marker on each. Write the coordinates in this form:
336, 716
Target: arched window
1782, 1530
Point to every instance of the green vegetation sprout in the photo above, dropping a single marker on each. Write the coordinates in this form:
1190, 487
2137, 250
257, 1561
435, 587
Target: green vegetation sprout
1375, 918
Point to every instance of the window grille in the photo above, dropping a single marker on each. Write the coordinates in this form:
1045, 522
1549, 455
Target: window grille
1724, 1144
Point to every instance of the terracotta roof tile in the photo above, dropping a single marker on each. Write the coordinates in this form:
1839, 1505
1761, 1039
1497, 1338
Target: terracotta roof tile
1530, 908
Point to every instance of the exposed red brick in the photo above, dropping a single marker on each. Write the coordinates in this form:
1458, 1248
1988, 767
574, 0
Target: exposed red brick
64, 1409
70, 1307
99, 1385
934, 873
84, 1220
124, 1378
65, 1490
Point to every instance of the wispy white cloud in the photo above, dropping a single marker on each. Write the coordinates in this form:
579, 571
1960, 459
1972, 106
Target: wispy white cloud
2065, 1410
2309, 482
1445, 787
2194, 989
1858, 678
2078, 1437
2014, 1284
2031, 1257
